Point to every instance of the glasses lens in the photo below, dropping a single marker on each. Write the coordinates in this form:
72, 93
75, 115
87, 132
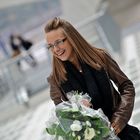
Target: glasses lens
56, 44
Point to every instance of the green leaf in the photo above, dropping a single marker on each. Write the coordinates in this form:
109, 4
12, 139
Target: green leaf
105, 131
55, 130
52, 129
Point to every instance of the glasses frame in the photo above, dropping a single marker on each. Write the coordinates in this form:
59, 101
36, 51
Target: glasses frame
56, 43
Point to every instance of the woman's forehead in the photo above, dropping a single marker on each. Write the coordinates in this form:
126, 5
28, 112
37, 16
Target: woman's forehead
56, 32
54, 35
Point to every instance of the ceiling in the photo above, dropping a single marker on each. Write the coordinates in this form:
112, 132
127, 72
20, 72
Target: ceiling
7, 3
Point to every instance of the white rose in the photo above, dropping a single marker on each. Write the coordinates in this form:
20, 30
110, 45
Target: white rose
89, 133
76, 127
60, 138
77, 122
79, 138
88, 123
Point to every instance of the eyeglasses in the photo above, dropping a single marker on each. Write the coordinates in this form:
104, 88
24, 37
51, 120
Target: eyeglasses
56, 44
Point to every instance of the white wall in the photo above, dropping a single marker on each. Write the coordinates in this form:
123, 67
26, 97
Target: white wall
77, 10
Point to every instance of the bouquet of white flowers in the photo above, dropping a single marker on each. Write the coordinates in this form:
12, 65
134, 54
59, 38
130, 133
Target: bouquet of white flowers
73, 120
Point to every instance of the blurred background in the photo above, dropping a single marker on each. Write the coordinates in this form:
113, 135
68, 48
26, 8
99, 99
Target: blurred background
24, 92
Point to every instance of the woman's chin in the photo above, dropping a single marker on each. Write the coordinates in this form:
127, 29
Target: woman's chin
63, 59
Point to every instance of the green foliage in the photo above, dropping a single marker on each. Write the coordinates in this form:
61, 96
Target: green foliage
76, 122
66, 118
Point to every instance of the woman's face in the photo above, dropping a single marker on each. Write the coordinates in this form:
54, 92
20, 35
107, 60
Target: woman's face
59, 45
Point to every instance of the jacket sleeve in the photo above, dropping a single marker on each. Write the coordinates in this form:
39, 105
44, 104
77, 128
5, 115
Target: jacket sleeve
126, 89
55, 92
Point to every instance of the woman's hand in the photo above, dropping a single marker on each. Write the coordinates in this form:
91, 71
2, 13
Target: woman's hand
86, 103
116, 128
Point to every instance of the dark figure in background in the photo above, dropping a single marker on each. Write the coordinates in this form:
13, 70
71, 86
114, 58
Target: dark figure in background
26, 45
18, 43
79, 66
15, 46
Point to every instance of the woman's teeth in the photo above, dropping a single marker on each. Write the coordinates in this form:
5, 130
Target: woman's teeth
60, 53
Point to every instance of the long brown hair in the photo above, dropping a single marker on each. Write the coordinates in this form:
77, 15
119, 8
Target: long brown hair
84, 51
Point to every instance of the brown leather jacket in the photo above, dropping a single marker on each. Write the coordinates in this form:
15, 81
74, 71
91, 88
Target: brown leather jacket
126, 91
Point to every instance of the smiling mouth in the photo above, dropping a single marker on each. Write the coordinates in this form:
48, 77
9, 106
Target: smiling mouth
61, 53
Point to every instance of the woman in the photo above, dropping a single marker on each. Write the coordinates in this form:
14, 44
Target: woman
79, 66
18, 43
